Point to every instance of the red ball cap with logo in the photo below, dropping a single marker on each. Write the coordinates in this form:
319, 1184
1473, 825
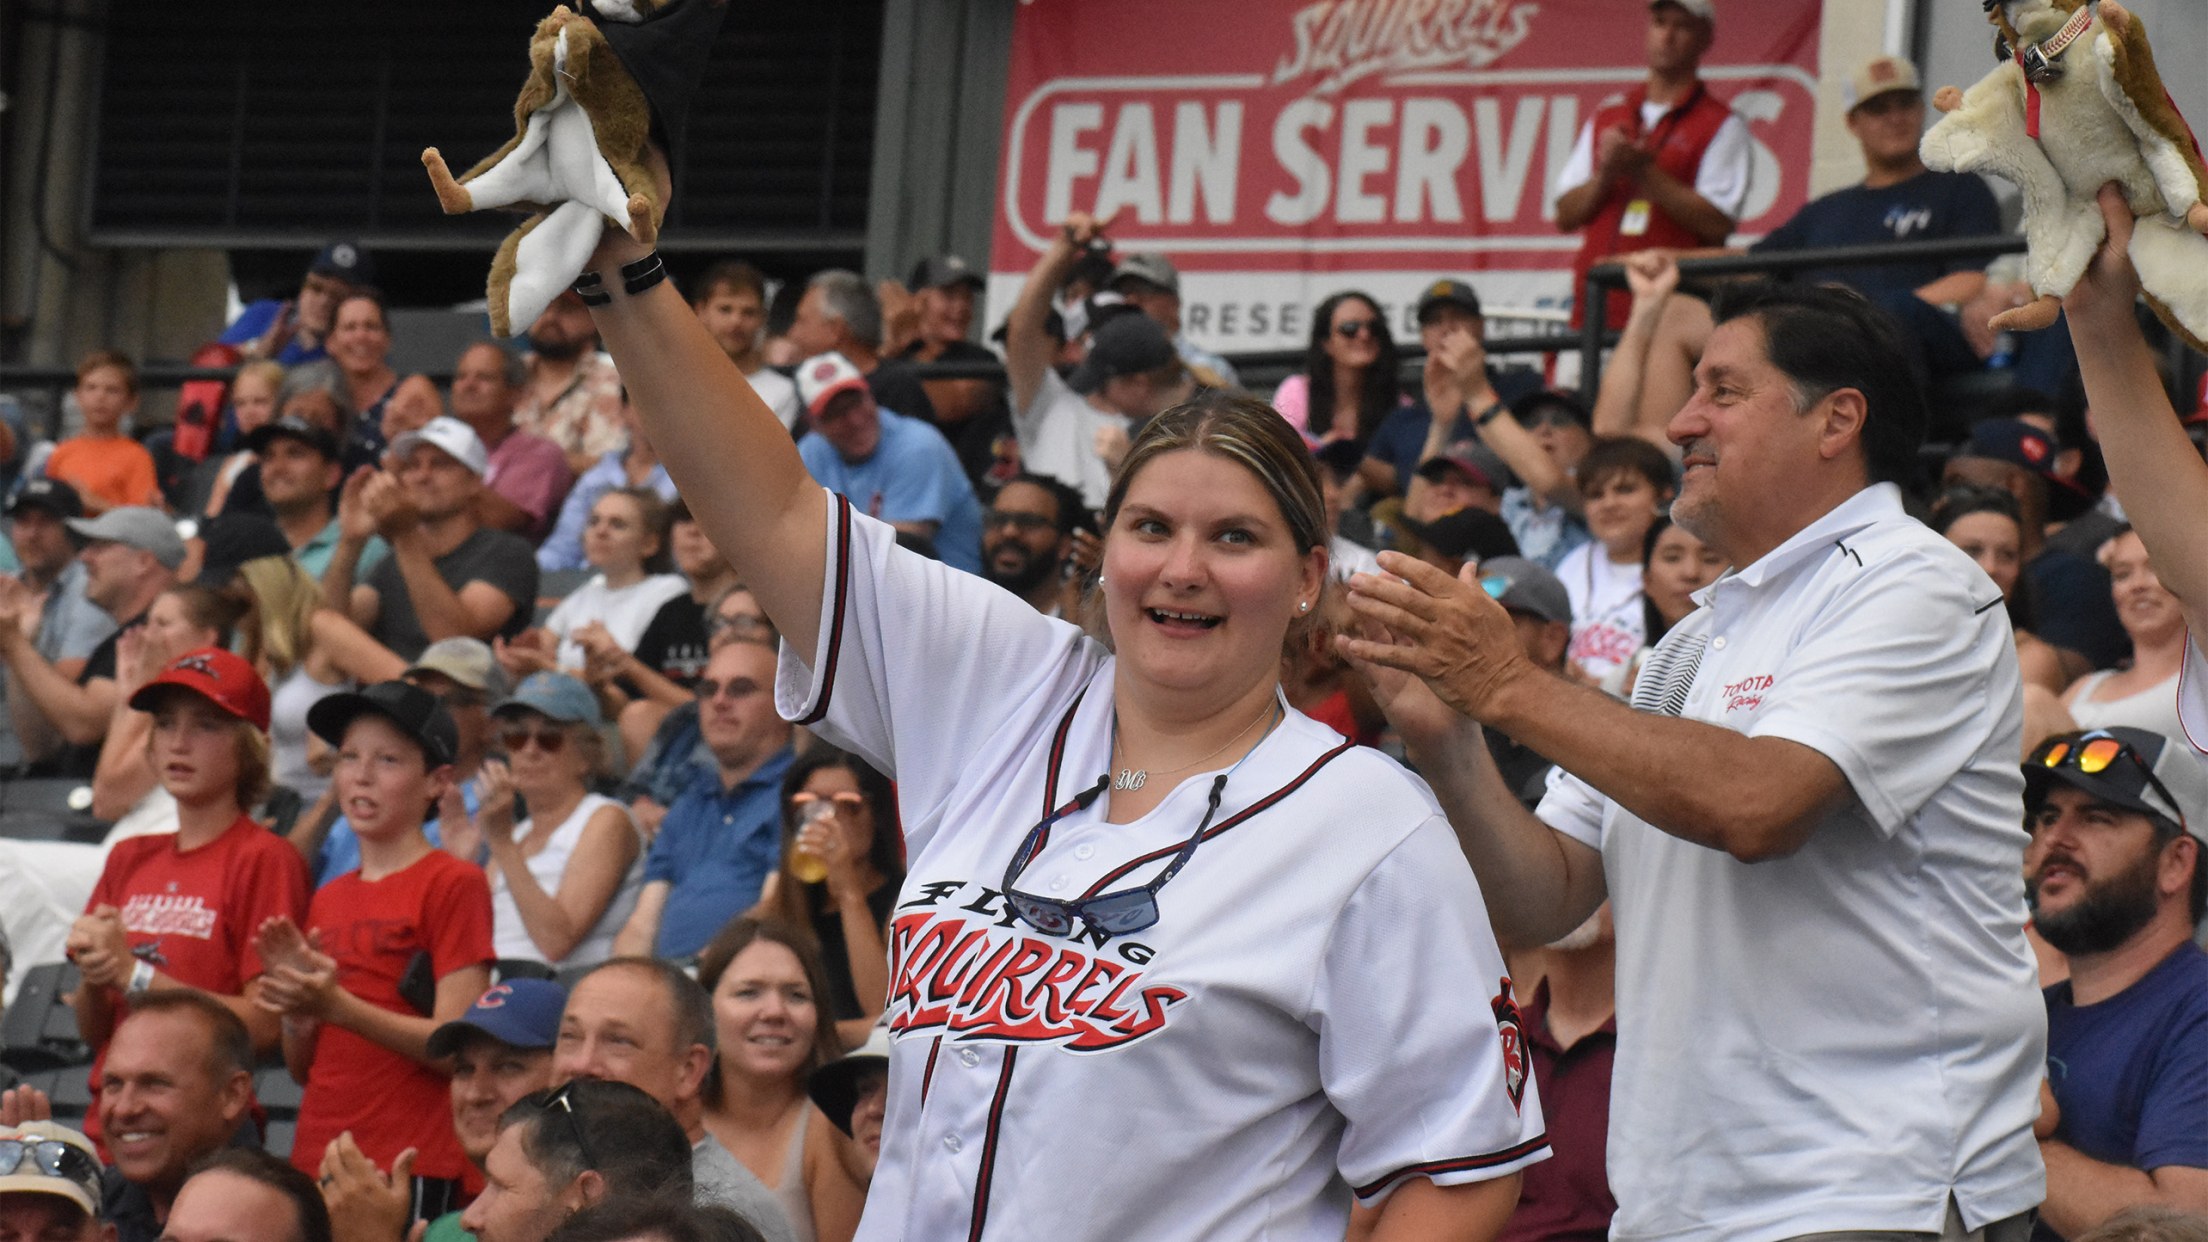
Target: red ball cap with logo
220, 677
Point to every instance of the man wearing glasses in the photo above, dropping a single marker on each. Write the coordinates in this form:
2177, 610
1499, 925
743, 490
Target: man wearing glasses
49, 1186
722, 837
2117, 883
1027, 537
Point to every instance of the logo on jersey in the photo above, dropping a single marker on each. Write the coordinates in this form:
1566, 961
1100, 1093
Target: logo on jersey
148, 915
1512, 1029
991, 979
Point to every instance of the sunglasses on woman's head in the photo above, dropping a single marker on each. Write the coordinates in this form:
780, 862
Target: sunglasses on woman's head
843, 798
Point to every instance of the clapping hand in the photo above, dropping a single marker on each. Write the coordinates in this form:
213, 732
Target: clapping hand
355, 521
1443, 630
1456, 366
604, 658
494, 807
366, 1205
100, 947
297, 978
21, 1104
533, 651
389, 506
1652, 275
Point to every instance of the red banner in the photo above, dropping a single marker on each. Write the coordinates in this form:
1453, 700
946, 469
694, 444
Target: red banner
1277, 152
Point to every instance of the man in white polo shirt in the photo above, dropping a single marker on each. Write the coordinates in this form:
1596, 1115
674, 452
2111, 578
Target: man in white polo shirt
1807, 823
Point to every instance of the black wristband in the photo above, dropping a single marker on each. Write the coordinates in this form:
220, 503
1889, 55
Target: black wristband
643, 274
591, 289
1489, 415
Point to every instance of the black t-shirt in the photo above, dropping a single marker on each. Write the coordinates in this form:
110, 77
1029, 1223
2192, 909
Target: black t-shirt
81, 761
896, 387
504, 560
987, 447
674, 642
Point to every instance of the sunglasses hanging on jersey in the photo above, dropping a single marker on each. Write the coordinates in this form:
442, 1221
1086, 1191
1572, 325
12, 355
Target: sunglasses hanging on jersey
1115, 914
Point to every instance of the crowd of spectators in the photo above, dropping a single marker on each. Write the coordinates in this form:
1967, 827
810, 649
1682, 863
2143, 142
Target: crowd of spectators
439, 740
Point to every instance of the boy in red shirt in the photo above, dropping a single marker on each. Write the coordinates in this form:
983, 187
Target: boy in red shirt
179, 910
391, 952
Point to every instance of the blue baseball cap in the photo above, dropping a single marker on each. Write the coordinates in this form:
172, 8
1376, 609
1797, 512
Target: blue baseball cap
522, 1013
555, 695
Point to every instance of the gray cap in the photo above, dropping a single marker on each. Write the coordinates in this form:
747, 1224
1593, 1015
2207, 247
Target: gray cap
467, 661
1522, 586
135, 526
1152, 269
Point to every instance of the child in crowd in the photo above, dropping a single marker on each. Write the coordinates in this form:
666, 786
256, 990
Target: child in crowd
1623, 484
108, 469
179, 910
391, 951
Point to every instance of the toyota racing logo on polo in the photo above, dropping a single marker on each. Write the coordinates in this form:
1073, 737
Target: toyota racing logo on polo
989, 979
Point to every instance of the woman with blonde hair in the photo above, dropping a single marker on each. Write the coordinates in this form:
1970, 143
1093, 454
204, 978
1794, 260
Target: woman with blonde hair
1138, 826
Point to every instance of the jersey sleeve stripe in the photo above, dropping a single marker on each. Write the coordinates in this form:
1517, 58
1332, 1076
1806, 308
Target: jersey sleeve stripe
1262, 804
842, 537
1462, 1164
989, 1148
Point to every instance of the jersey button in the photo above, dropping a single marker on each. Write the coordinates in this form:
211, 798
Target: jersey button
1084, 852
969, 1058
951, 1143
1718, 642
1058, 885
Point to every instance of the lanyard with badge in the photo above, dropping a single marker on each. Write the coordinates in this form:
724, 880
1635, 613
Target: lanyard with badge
1638, 212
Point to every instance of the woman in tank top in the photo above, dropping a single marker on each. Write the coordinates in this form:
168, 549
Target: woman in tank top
564, 880
765, 981
2144, 693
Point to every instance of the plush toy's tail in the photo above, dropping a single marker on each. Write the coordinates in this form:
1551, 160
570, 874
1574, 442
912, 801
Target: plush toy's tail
537, 261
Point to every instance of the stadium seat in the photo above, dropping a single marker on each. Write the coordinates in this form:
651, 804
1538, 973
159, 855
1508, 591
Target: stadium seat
40, 1030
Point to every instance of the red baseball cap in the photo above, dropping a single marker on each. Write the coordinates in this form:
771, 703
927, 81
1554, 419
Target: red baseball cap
220, 677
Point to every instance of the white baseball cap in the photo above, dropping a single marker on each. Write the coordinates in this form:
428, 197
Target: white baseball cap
453, 437
822, 376
1704, 9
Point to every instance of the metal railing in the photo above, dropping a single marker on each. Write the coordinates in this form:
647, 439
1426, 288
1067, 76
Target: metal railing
1604, 278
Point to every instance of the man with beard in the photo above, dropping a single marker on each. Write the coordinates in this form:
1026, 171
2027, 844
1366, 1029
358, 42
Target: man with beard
1027, 537
300, 469
2116, 882
573, 394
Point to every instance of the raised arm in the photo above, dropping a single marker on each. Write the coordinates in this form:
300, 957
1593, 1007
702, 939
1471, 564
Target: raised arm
2151, 464
730, 456
1028, 349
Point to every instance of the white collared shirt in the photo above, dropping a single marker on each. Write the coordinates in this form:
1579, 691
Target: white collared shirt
1843, 1038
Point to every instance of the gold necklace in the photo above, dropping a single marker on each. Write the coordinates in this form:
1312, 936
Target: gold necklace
1136, 778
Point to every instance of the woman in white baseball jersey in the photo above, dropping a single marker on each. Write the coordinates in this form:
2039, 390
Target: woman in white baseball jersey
1172, 961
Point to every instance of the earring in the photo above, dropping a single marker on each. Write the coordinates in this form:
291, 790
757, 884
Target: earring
1303, 605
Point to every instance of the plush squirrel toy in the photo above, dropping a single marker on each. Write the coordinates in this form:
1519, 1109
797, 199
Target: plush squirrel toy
2077, 105
595, 97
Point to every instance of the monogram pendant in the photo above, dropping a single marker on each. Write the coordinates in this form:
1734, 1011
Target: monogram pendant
1134, 778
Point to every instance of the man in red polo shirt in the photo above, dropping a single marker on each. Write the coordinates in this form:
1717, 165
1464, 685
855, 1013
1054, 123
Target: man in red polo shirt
1666, 165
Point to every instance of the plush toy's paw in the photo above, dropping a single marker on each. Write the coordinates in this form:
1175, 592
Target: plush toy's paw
642, 226
2115, 17
1948, 98
2196, 218
2030, 317
451, 195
